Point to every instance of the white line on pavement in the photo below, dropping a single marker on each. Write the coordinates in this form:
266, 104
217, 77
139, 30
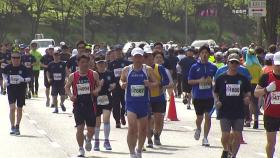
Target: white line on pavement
42, 132
189, 128
55, 144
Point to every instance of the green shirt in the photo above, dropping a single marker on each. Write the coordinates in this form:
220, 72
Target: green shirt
37, 55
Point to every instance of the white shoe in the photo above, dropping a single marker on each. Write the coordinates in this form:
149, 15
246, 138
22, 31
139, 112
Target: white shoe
81, 152
133, 156
138, 155
197, 134
205, 142
88, 145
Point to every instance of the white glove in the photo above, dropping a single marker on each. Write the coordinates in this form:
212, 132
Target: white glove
271, 87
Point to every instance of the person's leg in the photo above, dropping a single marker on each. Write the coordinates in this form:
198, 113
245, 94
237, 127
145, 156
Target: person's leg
236, 142
270, 146
150, 128
47, 92
80, 135
32, 82
55, 102
12, 114
207, 124
116, 107
106, 121
123, 108
132, 133
142, 128
19, 116
97, 131
179, 84
225, 140
199, 119
90, 133
37, 73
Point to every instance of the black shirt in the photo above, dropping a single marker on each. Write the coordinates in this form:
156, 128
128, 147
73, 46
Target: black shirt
28, 60
65, 57
231, 91
116, 67
57, 72
46, 59
263, 81
13, 74
72, 64
186, 64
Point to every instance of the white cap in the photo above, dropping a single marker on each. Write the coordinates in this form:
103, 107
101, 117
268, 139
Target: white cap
269, 56
51, 47
136, 51
62, 43
148, 49
276, 58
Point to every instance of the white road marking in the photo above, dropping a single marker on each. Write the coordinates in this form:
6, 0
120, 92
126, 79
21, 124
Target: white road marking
55, 144
32, 121
42, 132
189, 128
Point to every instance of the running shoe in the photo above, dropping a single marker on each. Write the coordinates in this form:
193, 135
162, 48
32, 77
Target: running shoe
197, 134
123, 121
189, 107
48, 103
157, 139
88, 145
150, 144
55, 111
118, 125
225, 154
81, 152
107, 145
205, 142
63, 108
96, 146
13, 130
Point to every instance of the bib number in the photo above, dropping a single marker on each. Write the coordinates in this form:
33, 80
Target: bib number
57, 76
203, 86
83, 88
117, 72
15, 79
275, 97
102, 100
137, 90
232, 90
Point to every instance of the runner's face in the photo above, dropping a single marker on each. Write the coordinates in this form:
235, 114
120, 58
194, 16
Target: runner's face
50, 51
233, 65
158, 59
15, 59
83, 64
81, 48
158, 47
204, 55
138, 59
56, 56
101, 66
149, 59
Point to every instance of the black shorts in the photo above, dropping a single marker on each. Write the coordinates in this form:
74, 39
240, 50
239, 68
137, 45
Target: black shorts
46, 82
100, 108
202, 106
186, 87
158, 107
84, 115
16, 95
57, 90
271, 124
1, 77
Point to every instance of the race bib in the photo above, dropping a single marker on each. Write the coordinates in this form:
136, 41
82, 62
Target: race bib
83, 88
137, 90
275, 97
57, 76
27, 64
118, 72
203, 86
15, 79
3, 65
102, 100
232, 90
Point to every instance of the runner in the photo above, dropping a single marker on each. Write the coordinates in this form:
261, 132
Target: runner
104, 102
36, 69
56, 75
232, 92
268, 61
200, 77
72, 64
136, 79
28, 61
85, 84
45, 60
269, 87
16, 76
219, 59
6, 55
185, 65
116, 66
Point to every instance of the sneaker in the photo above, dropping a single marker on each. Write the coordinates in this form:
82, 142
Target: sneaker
197, 134
29, 95
157, 139
133, 156
185, 101
48, 103
247, 124
123, 121
63, 108
12, 130
224, 154
17, 132
118, 125
138, 154
35, 95
4, 92
256, 125
81, 152
88, 145
107, 145
96, 146
150, 144
55, 111
205, 142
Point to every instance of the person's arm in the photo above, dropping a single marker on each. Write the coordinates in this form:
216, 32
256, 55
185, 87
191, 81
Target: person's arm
263, 87
68, 88
217, 102
152, 82
123, 79
191, 79
98, 84
164, 77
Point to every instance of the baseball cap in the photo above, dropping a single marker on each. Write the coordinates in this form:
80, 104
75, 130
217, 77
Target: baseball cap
100, 59
51, 47
234, 57
276, 58
269, 56
148, 49
138, 51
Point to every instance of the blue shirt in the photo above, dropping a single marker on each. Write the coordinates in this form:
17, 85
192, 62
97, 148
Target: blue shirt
242, 70
197, 71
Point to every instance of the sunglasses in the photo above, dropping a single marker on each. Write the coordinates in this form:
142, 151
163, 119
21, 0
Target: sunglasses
15, 57
234, 62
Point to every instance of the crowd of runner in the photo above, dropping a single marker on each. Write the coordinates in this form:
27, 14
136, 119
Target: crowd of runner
240, 84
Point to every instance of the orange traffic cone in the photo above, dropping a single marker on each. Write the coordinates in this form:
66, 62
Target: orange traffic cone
172, 114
